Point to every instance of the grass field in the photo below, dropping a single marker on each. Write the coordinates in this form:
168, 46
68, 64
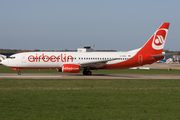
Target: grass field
29, 99
4, 69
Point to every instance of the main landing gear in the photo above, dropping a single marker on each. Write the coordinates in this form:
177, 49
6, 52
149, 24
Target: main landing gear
87, 72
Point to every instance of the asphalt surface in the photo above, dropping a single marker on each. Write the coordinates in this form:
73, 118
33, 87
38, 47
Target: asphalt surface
94, 76
100, 76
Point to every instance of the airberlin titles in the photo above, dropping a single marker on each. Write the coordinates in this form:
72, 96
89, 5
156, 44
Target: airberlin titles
52, 58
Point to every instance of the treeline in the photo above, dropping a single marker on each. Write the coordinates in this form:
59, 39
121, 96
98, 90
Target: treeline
37, 50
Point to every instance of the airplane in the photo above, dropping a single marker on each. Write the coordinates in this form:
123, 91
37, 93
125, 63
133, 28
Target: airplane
74, 62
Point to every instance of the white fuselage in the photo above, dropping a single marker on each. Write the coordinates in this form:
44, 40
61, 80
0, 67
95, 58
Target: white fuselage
57, 59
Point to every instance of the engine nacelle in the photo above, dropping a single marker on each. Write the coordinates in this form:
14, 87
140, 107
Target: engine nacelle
70, 68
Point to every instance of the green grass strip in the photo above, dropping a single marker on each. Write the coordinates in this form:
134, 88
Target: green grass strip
29, 99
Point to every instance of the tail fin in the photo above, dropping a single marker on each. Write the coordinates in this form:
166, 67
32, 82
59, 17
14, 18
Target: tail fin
155, 44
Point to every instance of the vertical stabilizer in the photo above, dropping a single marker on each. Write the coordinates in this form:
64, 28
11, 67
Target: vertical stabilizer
156, 43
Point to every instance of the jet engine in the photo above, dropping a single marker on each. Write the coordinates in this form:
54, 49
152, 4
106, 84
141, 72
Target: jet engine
70, 68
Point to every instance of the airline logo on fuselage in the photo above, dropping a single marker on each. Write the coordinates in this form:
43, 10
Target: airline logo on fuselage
52, 58
159, 39
70, 68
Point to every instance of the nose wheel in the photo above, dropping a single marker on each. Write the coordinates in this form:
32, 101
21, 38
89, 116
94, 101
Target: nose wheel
19, 73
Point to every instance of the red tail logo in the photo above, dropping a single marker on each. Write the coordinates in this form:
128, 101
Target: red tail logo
159, 39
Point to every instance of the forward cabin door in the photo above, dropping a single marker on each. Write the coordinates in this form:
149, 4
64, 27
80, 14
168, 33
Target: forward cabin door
23, 58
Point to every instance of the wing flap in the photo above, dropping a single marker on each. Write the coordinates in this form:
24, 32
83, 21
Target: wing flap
97, 63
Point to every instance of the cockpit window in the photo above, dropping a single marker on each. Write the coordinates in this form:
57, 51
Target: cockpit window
12, 57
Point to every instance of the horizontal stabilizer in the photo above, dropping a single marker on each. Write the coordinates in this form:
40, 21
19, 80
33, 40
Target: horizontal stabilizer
161, 55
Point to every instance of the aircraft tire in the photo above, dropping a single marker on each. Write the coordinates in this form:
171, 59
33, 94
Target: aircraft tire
87, 72
84, 72
19, 73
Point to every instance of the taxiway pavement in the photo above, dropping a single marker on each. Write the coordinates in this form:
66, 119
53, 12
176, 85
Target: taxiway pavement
94, 76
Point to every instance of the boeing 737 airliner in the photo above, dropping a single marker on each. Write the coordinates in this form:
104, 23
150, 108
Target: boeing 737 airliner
73, 62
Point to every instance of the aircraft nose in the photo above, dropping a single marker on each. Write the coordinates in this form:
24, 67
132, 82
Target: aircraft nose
4, 62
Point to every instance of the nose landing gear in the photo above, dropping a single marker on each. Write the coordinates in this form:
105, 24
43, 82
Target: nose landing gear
17, 69
19, 72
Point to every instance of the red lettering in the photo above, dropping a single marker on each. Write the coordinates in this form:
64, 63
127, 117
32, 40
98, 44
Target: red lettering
70, 57
31, 56
40, 57
62, 58
53, 58
45, 57
36, 57
58, 57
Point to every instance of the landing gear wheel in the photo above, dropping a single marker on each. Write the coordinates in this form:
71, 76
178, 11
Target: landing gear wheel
87, 72
84, 72
19, 73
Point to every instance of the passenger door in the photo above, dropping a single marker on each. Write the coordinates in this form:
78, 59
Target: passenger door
23, 58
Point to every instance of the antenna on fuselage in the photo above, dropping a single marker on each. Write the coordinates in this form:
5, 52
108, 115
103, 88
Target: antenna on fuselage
93, 46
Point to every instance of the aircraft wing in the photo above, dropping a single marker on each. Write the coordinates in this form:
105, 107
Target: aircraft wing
97, 63
161, 55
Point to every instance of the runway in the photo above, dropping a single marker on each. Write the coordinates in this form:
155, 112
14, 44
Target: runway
94, 76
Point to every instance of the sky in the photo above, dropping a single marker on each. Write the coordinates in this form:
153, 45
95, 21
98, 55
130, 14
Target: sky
120, 25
